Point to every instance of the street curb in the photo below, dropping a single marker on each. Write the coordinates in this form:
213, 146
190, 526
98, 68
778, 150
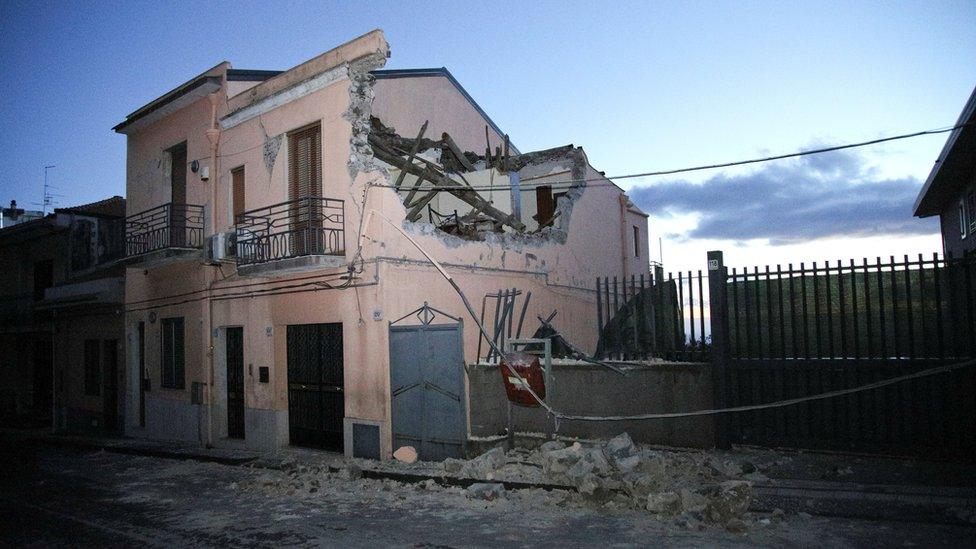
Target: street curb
130, 449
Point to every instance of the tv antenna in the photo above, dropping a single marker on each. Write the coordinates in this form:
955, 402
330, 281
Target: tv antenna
48, 199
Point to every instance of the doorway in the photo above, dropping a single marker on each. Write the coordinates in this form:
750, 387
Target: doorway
427, 385
43, 381
235, 382
110, 394
316, 403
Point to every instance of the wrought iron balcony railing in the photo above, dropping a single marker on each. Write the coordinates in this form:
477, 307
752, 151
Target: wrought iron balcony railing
167, 226
302, 227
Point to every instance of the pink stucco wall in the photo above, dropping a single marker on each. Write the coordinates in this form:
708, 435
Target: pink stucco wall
396, 278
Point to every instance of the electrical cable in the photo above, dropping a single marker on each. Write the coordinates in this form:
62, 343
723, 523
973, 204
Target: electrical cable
607, 180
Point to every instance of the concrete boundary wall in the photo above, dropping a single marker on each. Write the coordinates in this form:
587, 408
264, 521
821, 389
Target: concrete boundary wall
588, 389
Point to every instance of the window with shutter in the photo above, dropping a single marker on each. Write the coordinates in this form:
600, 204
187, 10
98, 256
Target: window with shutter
237, 181
305, 162
173, 354
305, 182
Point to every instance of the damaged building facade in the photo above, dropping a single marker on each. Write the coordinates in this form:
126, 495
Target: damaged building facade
278, 225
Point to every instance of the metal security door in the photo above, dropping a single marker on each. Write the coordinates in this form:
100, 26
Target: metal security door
315, 385
235, 382
427, 385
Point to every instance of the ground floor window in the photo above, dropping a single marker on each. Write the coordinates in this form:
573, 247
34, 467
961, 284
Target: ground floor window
173, 359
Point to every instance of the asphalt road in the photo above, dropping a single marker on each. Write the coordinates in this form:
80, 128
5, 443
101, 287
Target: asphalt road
58, 497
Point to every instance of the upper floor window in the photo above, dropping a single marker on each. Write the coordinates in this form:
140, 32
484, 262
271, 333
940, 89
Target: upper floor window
237, 183
43, 277
636, 241
305, 162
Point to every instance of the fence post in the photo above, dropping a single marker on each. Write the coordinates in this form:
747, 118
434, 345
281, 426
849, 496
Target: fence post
719, 319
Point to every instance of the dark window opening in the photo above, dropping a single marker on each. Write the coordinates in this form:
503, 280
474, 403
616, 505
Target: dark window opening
636, 241
173, 359
545, 205
93, 368
177, 173
43, 277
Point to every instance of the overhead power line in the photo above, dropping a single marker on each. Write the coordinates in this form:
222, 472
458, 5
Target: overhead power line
603, 179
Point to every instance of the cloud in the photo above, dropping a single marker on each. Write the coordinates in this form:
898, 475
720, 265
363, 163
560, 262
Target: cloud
818, 196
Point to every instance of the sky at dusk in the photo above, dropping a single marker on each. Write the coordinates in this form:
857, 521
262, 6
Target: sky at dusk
641, 86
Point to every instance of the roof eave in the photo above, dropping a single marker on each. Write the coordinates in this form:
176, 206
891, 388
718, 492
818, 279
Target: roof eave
923, 206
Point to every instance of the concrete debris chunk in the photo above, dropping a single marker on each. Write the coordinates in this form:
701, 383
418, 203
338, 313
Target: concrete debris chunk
692, 501
736, 526
486, 490
724, 467
622, 453
551, 445
484, 466
664, 503
730, 500
405, 454
556, 462
351, 472
453, 466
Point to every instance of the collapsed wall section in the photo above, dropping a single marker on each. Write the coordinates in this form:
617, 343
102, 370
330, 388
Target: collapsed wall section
525, 198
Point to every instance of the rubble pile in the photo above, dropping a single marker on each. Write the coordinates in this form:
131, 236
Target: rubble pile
694, 487
686, 488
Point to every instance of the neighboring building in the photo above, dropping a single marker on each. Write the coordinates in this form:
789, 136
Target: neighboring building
14, 215
261, 264
61, 321
950, 190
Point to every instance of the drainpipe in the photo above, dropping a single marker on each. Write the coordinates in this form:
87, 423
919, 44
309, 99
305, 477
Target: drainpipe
213, 135
623, 235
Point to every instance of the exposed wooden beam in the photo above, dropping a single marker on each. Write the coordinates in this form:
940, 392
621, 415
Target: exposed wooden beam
439, 179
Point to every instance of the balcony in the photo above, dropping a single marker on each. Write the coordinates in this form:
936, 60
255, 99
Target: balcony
302, 233
167, 231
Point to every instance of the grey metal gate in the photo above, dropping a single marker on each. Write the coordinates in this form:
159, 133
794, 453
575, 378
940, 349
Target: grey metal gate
427, 385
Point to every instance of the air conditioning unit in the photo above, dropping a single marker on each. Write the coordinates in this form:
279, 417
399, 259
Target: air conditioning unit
222, 247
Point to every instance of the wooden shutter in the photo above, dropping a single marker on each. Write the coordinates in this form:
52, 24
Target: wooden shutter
173, 367
237, 181
305, 163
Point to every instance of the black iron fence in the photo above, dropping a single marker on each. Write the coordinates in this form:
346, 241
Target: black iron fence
818, 327
306, 226
166, 226
776, 333
653, 315
892, 309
